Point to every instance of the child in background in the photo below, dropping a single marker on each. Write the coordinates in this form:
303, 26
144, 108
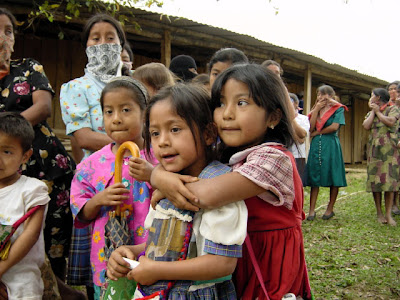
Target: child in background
127, 59
253, 120
20, 271
223, 59
203, 80
182, 134
299, 150
154, 76
93, 191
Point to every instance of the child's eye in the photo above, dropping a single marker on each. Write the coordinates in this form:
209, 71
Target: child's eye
154, 133
108, 112
242, 103
126, 110
175, 129
221, 103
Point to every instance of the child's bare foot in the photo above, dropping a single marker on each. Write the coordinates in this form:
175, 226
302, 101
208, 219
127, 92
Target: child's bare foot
382, 219
391, 222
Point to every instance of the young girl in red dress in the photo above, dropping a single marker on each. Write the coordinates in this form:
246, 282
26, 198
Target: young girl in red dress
253, 116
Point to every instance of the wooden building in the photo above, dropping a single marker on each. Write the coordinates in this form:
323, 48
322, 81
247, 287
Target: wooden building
160, 37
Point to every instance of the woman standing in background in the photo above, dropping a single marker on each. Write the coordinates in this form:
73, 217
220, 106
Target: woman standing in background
325, 165
382, 155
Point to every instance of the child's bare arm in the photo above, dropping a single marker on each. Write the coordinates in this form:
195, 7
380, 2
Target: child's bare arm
205, 267
172, 186
210, 193
24, 243
113, 195
116, 266
140, 169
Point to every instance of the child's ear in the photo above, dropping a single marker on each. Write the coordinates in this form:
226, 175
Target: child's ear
27, 155
274, 118
210, 134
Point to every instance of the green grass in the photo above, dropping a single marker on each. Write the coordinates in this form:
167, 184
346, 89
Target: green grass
352, 256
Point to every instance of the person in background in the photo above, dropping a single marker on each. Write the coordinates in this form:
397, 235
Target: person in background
393, 94
103, 38
325, 165
223, 59
154, 76
382, 156
395, 208
273, 66
392, 89
299, 150
204, 80
24, 88
127, 59
184, 67
301, 102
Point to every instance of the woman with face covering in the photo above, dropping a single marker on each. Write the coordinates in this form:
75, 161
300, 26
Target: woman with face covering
104, 40
24, 88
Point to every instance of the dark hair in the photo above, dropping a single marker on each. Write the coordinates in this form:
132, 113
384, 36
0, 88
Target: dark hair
139, 92
5, 11
180, 66
156, 75
269, 62
203, 79
128, 49
232, 55
103, 18
396, 83
294, 98
16, 126
326, 90
267, 91
382, 93
191, 103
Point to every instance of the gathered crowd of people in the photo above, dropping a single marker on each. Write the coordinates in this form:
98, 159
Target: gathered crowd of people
207, 199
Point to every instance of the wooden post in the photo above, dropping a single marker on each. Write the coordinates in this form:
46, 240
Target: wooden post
307, 99
166, 48
307, 90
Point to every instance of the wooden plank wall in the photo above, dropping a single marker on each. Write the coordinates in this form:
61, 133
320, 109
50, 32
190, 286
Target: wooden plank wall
361, 137
346, 137
62, 60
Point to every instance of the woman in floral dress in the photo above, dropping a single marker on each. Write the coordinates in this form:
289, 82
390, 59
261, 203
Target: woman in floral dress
382, 156
25, 88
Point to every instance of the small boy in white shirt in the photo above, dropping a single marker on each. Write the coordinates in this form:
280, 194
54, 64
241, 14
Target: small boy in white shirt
299, 150
20, 272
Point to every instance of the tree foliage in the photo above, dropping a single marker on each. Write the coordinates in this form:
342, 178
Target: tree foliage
72, 9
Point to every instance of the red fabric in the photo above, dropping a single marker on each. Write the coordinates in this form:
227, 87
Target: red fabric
277, 240
319, 124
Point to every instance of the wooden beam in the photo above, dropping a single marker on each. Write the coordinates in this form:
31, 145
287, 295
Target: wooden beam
166, 48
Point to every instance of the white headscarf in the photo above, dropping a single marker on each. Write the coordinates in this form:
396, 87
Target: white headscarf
104, 61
